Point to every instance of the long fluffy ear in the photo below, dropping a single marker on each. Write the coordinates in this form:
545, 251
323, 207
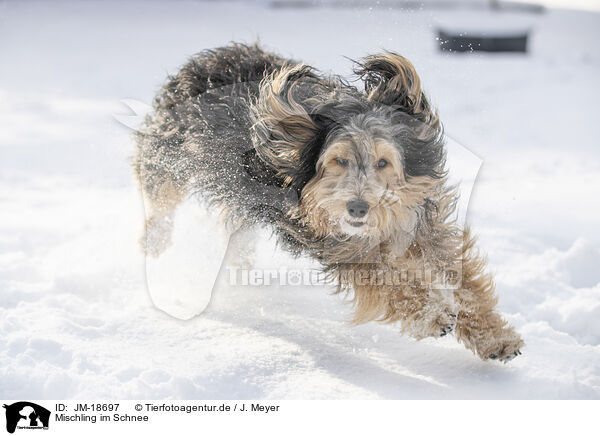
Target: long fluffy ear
288, 134
392, 80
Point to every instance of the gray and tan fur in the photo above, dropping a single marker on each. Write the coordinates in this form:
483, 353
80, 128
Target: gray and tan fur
354, 178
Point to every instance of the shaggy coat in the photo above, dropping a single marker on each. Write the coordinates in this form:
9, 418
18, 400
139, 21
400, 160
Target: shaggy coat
271, 141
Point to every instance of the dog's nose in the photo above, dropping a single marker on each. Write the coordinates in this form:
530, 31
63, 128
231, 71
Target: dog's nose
357, 208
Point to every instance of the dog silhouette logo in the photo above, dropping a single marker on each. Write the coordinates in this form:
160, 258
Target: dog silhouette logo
26, 415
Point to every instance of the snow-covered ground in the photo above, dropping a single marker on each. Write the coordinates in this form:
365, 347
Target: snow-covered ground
76, 320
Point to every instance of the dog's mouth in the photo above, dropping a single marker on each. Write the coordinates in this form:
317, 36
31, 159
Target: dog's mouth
352, 226
356, 223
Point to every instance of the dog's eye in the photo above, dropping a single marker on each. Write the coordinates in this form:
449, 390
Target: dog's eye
382, 163
342, 162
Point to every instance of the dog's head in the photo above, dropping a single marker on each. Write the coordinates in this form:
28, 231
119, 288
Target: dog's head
362, 162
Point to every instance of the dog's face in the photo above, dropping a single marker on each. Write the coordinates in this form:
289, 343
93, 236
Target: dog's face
363, 163
358, 184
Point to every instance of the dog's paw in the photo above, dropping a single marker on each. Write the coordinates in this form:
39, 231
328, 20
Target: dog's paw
437, 317
506, 349
447, 323
506, 357
441, 313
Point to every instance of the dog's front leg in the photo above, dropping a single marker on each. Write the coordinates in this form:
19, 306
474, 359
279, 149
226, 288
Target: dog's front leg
404, 294
425, 308
479, 326
425, 312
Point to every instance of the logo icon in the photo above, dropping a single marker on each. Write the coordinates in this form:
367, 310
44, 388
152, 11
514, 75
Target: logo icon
26, 415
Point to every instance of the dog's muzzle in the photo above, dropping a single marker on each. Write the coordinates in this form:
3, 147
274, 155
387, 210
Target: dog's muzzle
357, 208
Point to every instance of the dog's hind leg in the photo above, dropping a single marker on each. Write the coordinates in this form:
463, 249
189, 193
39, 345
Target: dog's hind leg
479, 326
160, 204
241, 252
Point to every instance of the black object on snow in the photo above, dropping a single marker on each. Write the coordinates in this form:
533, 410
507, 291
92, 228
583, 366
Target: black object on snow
463, 42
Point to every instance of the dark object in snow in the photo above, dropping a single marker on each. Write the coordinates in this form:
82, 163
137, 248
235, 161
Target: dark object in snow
470, 41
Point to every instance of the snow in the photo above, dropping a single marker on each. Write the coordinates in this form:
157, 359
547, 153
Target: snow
489, 23
76, 319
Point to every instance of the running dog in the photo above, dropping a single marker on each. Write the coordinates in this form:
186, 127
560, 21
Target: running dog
353, 177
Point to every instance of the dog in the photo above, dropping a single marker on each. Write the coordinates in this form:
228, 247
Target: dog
354, 178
